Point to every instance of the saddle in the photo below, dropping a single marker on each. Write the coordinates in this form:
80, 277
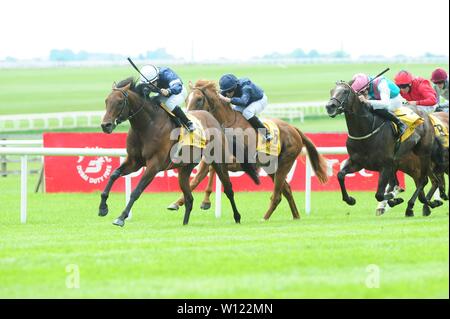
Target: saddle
410, 118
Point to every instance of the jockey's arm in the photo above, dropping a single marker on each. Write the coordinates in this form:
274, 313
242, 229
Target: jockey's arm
429, 95
385, 98
175, 87
244, 99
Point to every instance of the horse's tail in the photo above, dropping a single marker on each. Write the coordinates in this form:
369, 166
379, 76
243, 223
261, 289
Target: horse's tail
251, 170
318, 162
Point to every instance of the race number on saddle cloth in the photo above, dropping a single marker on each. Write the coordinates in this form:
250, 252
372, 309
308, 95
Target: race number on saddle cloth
197, 138
272, 147
410, 118
440, 131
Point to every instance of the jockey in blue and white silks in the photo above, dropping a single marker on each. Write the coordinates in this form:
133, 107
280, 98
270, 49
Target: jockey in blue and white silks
172, 92
382, 95
246, 98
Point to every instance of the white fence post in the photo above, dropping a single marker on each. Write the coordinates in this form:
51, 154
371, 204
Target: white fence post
308, 186
23, 188
218, 208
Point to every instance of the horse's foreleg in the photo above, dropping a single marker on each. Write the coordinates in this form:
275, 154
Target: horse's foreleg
183, 181
147, 177
125, 168
222, 173
348, 168
435, 184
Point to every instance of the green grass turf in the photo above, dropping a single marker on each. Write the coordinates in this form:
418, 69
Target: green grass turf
84, 89
325, 255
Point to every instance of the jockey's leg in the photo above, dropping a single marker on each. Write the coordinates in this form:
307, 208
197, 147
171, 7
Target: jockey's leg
402, 127
173, 103
250, 113
183, 118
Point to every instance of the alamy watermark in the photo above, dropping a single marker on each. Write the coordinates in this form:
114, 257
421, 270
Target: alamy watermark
373, 276
73, 277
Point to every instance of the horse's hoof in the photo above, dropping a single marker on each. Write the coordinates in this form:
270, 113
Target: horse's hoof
394, 202
426, 211
388, 196
119, 222
444, 197
103, 211
237, 220
205, 206
380, 211
409, 214
173, 206
436, 203
351, 201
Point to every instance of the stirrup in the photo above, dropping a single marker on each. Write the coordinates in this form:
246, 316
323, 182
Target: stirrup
268, 137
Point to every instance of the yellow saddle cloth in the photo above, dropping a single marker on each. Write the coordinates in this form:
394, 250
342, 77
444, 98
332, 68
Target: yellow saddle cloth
410, 118
196, 138
440, 130
274, 146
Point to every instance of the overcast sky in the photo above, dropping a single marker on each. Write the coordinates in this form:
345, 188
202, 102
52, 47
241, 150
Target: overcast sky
235, 29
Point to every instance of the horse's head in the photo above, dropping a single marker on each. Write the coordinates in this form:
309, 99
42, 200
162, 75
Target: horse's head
200, 96
117, 107
342, 99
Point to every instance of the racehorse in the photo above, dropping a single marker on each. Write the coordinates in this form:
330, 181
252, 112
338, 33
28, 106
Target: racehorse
373, 145
150, 144
204, 96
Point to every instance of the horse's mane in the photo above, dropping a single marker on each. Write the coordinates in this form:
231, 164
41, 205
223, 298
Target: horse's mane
130, 80
206, 84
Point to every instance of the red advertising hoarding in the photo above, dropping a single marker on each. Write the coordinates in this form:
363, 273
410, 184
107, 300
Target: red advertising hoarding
91, 173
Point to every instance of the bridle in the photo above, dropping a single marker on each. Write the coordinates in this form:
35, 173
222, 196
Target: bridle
343, 109
213, 108
124, 105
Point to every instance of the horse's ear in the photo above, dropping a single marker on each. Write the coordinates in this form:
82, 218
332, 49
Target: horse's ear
127, 87
114, 85
191, 86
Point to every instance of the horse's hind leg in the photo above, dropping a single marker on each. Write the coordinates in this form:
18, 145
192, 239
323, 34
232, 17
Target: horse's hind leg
222, 173
199, 177
183, 181
125, 168
206, 203
287, 193
348, 168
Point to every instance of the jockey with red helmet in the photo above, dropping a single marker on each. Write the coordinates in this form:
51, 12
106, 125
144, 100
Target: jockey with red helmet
417, 91
440, 84
171, 88
382, 95
246, 98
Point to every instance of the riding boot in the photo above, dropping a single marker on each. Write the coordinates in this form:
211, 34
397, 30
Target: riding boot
402, 127
183, 118
257, 124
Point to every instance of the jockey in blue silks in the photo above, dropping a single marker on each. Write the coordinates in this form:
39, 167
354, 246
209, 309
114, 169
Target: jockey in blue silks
171, 88
246, 98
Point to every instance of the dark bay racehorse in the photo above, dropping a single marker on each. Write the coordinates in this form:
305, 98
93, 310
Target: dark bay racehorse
203, 96
149, 145
372, 144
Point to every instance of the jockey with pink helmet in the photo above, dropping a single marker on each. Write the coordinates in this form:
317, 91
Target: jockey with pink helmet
382, 95
440, 84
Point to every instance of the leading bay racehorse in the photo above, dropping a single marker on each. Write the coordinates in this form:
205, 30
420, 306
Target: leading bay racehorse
149, 145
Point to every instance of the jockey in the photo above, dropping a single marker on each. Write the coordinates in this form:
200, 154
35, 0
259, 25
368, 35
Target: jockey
417, 91
171, 88
382, 95
246, 98
440, 84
